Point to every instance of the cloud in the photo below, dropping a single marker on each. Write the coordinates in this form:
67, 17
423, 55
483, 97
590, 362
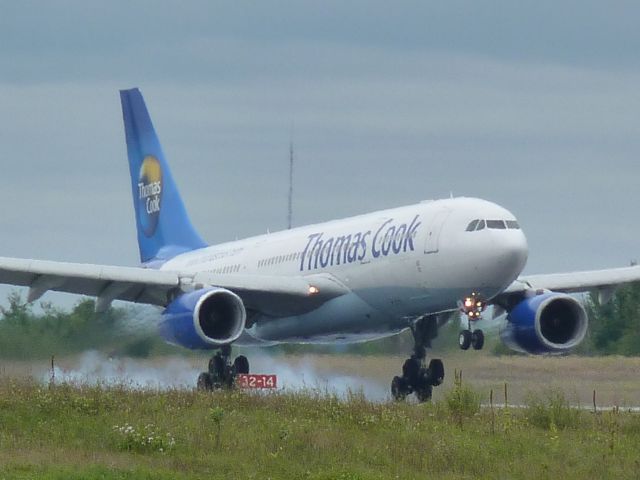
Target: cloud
531, 105
220, 41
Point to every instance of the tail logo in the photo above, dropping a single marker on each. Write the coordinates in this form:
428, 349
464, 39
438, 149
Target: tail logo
149, 194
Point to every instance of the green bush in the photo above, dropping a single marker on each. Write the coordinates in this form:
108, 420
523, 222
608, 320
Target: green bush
551, 410
462, 401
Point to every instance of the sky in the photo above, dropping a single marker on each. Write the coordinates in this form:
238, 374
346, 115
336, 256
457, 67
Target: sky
532, 105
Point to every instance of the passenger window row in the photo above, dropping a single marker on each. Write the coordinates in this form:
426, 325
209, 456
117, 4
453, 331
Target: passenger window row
227, 269
279, 259
475, 225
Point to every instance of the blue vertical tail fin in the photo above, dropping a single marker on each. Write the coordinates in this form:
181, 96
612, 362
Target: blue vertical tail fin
164, 228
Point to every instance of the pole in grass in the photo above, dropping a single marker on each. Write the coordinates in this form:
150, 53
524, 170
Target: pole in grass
493, 414
506, 396
53, 370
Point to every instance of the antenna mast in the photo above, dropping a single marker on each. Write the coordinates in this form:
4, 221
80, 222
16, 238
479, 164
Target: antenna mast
290, 211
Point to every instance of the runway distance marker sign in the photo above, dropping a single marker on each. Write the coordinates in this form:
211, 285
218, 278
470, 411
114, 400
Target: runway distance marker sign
254, 380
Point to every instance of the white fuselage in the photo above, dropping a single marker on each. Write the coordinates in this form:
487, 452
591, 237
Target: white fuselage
398, 264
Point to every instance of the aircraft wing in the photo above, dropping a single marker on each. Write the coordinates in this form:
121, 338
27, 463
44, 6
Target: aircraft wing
601, 280
271, 295
103, 281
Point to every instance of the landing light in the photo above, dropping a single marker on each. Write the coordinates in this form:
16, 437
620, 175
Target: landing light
473, 306
313, 290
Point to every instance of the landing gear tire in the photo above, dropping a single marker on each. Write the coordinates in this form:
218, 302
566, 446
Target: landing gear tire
436, 372
241, 364
416, 377
411, 370
217, 365
477, 339
399, 388
221, 372
424, 393
205, 384
464, 339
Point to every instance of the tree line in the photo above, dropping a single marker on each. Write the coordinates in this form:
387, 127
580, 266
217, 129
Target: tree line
29, 332
614, 327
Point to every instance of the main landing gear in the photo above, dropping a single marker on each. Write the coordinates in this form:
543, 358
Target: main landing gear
472, 307
416, 378
222, 372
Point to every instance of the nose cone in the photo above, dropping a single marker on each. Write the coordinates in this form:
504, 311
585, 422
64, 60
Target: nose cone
488, 261
483, 247
507, 257
505, 249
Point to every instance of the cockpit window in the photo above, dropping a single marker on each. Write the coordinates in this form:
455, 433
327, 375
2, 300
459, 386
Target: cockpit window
513, 225
476, 225
496, 224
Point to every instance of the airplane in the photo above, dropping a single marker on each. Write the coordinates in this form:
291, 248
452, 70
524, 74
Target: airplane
350, 280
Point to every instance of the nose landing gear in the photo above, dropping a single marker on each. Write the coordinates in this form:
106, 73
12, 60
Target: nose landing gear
222, 372
416, 378
468, 338
472, 306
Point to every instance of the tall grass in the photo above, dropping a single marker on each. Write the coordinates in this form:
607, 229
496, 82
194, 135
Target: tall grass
551, 410
95, 432
462, 401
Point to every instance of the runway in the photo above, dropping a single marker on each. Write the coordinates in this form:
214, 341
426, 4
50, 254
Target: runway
614, 379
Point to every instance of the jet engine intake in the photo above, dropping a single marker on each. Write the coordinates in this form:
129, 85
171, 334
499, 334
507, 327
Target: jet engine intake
206, 318
550, 323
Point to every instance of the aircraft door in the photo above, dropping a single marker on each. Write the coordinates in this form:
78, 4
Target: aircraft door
433, 231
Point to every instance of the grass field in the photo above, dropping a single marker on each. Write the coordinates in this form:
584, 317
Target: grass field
91, 432
68, 431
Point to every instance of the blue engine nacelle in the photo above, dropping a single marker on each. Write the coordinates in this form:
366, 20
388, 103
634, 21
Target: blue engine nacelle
547, 323
202, 319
